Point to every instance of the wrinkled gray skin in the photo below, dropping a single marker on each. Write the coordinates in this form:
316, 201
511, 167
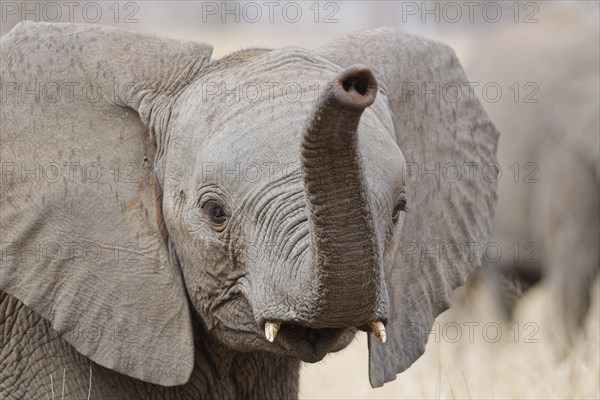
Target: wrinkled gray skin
552, 208
162, 295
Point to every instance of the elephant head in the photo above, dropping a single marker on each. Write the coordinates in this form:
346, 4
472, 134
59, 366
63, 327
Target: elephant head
266, 192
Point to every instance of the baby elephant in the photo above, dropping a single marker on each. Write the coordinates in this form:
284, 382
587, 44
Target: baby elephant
179, 227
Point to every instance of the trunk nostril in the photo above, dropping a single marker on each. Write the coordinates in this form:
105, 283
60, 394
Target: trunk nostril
359, 85
312, 335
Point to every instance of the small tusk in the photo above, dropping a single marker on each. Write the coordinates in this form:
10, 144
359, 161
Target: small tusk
271, 329
378, 330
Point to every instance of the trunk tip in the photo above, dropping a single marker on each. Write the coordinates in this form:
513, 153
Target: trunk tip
355, 87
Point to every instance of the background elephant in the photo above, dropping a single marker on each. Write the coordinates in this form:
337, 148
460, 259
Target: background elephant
136, 264
547, 222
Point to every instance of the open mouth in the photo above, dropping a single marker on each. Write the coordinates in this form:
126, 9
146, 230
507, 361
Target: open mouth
310, 344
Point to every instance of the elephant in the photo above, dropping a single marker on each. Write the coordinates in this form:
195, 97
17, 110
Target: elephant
146, 253
547, 221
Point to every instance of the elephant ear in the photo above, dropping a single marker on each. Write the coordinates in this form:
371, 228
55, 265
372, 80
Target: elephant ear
449, 145
84, 244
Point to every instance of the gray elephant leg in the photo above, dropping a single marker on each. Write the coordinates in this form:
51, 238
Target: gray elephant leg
29, 345
505, 283
568, 235
35, 363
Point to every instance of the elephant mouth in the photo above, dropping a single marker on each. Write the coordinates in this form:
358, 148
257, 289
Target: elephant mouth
310, 344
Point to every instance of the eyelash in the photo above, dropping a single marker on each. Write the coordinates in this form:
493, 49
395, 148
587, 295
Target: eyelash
401, 206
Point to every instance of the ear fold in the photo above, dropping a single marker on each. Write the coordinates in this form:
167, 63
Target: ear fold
84, 110
450, 217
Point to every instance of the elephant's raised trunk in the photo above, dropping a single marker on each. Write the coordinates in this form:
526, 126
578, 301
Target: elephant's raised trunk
345, 258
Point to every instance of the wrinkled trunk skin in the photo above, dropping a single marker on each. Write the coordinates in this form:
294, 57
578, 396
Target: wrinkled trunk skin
345, 266
34, 366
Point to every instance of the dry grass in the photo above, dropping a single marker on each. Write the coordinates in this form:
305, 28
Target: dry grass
507, 369
62, 392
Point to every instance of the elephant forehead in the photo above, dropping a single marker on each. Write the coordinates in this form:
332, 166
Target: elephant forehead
250, 117
256, 111
281, 66
284, 79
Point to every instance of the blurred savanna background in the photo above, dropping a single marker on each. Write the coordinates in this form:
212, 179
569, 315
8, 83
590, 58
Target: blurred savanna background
527, 324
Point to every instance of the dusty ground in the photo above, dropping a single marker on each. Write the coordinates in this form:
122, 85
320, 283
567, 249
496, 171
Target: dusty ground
491, 367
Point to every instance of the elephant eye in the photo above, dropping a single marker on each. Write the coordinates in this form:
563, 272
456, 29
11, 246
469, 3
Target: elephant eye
401, 206
214, 211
